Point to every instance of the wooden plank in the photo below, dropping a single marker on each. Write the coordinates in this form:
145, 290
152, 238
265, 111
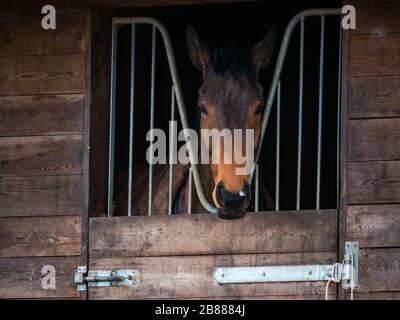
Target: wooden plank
376, 16
40, 236
374, 97
42, 74
374, 225
375, 296
22, 7
379, 270
40, 196
156, 3
206, 234
377, 54
41, 155
192, 276
24, 35
374, 139
373, 182
21, 278
41, 114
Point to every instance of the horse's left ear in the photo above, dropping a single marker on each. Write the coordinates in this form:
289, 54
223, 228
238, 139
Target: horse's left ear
262, 53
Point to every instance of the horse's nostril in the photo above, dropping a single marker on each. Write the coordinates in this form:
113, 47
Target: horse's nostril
230, 199
220, 196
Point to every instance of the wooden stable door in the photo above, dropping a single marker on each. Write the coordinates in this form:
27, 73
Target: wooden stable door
177, 255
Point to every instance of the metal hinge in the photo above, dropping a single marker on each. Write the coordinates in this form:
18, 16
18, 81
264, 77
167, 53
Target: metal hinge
341, 272
105, 278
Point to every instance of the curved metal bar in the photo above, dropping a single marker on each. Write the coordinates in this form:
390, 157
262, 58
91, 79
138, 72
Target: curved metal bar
179, 98
280, 62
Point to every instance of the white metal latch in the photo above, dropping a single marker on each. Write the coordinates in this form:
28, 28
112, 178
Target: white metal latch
105, 278
347, 271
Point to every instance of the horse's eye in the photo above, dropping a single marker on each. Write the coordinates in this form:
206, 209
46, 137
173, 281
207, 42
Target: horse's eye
260, 109
203, 109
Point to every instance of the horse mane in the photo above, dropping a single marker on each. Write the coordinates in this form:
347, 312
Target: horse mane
233, 62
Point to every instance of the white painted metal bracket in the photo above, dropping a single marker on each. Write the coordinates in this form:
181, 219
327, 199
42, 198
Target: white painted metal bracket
295, 273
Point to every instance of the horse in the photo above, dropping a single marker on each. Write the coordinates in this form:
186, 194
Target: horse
230, 97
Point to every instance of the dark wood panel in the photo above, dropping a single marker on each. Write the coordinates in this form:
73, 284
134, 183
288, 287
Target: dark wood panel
23, 7
41, 155
99, 109
40, 236
374, 225
22, 277
376, 16
156, 3
39, 196
373, 182
24, 35
374, 139
374, 97
206, 234
42, 74
379, 270
192, 276
41, 114
376, 54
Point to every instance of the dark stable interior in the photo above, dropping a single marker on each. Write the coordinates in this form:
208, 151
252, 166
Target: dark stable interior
240, 25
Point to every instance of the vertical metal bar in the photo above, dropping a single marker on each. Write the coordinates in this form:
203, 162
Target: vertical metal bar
320, 100
300, 120
171, 150
153, 71
278, 145
131, 119
338, 118
257, 189
112, 120
190, 191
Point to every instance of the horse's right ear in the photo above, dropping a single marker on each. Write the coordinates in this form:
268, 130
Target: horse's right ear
198, 50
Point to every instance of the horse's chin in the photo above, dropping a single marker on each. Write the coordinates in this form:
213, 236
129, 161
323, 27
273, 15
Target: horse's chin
225, 213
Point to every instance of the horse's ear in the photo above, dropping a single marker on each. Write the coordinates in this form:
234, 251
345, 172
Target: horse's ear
262, 53
198, 51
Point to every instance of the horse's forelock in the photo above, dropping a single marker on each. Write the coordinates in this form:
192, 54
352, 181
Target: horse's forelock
231, 62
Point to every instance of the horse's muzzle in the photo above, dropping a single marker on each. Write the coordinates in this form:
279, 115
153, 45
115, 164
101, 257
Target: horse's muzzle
232, 205
231, 215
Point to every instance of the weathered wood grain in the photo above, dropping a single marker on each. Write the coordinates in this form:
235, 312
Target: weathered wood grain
192, 276
22, 7
374, 296
40, 196
375, 54
42, 74
41, 155
40, 236
379, 270
24, 35
206, 234
41, 114
373, 182
376, 16
374, 139
21, 278
374, 225
374, 97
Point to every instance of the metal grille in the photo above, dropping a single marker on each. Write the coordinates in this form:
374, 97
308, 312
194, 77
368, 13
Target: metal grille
274, 95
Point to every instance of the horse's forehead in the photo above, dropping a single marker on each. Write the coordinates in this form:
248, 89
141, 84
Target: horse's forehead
220, 88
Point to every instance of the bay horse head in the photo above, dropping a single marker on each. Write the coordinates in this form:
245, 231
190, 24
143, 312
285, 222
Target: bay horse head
230, 97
